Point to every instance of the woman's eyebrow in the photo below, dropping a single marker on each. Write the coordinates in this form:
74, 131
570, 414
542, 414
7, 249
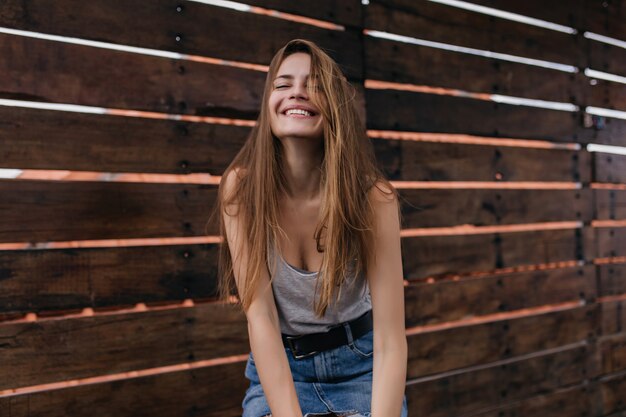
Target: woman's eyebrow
288, 76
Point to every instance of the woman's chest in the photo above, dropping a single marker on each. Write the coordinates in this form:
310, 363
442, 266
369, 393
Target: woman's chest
300, 248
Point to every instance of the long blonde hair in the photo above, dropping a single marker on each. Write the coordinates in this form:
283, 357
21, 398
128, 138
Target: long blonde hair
348, 169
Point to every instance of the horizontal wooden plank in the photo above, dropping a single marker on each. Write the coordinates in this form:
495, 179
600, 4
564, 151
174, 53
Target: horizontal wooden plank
613, 390
41, 139
562, 402
109, 210
152, 394
46, 139
610, 204
110, 344
612, 279
441, 23
201, 29
605, 18
452, 207
609, 167
604, 93
610, 241
214, 391
71, 279
82, 277
567, 13
338, 11
41, 70
449, 300
602, 130
449, 255
445, 350
609, 58
612, 347
114, 343
402, 110
77, 278
430, 161
103, 210
613, 314
602, 17
476, 390
422, 65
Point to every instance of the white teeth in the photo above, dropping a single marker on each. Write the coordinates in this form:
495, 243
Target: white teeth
298, 111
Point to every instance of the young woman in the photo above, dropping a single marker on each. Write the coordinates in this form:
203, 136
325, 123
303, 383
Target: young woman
311, 244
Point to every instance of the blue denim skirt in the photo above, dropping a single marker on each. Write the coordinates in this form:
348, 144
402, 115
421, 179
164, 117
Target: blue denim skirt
337, 380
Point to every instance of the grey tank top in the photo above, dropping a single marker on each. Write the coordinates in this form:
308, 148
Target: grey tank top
294, 290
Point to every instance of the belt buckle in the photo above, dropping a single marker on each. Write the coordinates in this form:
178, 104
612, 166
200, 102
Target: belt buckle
293, 349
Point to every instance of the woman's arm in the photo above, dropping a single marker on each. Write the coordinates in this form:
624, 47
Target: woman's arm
263, 326
386, 285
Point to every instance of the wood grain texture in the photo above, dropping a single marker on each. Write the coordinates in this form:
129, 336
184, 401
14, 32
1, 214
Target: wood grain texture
610, 241
602, 17
613, 313
41, 139
481, 207
613, 389
201, 29
80, 210
568, 362
470, 297
46, 139
571, 13
441, 23
602, 130
71, 279
411, 111
449, 255
111, 344
609, 58
422, 65
430, 161
605, 17
612, 279
54, 281
67, 210
435, 352
117, 342
475, 390
612, 346
214, 391
563, 402
55, 72
338, 11
610, 204
609, 167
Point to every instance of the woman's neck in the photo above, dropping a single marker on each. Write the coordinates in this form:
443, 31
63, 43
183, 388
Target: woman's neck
302, 169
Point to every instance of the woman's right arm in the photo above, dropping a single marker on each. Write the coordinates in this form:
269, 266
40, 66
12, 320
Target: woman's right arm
263, 326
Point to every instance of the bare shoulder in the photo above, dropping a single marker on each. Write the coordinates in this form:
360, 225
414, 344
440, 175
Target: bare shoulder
381, 193
232, 178
385, 209
229, 182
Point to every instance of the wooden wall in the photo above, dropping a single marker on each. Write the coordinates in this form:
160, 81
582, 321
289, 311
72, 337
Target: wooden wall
514, 250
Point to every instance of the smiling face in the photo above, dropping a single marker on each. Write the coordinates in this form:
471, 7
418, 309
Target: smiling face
292, 113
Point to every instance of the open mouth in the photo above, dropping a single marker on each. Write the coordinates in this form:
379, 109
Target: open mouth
299, 113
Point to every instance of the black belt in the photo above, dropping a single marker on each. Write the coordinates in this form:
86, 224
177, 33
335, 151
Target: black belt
309, 344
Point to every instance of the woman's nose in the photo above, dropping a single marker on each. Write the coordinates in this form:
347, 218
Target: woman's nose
299, 91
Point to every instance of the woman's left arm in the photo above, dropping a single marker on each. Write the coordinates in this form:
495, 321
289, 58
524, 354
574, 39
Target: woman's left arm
386, 283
